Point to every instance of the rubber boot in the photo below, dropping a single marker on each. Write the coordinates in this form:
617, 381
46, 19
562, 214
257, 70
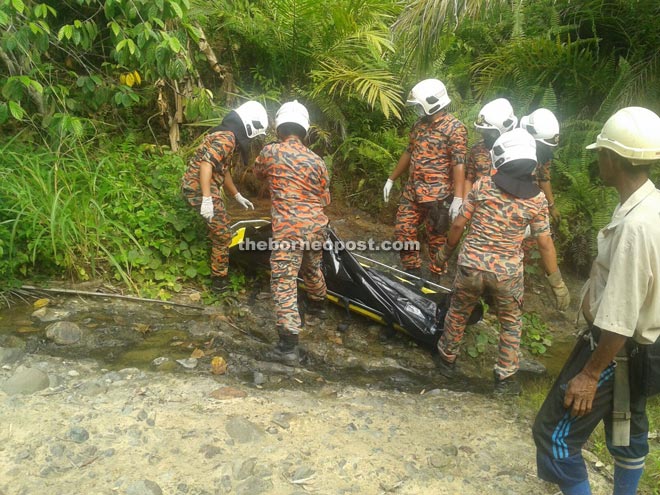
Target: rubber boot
508, 386
317, 308
445, 368
219, 285
286, 350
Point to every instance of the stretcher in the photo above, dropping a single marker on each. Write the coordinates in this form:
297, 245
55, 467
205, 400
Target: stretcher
361, 285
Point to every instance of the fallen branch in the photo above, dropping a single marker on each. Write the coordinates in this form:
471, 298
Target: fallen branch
105, 294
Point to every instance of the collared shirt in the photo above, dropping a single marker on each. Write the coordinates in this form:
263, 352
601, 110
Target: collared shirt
299, 188
435, 148
497, 227
623, 290
479, 162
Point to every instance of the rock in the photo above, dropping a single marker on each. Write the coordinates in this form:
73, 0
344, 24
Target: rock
282, 420
243, 430
160, 360
10, 355
47, 315
244, 469
144, 487
78, 434
254, 486
26, 381
258, 378
210, 451
225, 393
64, 333
200, 329
188, 363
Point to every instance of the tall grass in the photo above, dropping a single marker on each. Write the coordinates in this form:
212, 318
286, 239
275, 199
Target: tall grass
114, 214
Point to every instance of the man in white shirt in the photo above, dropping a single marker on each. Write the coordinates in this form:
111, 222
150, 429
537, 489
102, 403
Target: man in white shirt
621, 303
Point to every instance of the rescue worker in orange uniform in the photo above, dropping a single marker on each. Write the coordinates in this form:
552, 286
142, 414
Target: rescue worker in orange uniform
208, 173
299, 189
435, 160
499, 208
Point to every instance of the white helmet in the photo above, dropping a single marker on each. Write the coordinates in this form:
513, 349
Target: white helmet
543, 125
633, 133
497, 114
430, 94
292, 112
254, 118
517, 144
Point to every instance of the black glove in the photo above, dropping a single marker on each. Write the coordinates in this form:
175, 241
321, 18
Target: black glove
439, 216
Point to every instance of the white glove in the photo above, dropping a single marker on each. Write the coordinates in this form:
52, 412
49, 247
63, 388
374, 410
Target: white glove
455, 207
387, 189
245, 203
528, 232
207, 208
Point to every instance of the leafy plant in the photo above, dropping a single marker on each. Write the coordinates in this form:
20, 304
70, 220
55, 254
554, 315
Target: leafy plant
536, 336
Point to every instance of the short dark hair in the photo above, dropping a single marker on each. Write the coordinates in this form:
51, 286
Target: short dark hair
291, 129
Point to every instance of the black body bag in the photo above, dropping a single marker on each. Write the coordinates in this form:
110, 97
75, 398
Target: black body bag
645, 368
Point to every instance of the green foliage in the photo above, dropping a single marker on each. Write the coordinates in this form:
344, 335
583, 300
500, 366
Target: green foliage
536, 336
478, 340
116, 214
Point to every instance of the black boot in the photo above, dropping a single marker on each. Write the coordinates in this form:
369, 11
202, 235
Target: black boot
508, 386
219, 285
317, 308
286, 350
445, 368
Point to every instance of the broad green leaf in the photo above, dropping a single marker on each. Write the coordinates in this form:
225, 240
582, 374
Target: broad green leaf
176, 8
18, 5
16, 110
115, 28
4, 112
174, 44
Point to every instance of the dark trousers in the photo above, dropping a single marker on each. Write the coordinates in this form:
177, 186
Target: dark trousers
559, 437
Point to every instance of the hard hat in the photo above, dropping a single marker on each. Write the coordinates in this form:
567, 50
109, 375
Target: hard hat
543, 125
430, 94
294, 113
514, 159
254, 118
498, 115
517, 144
633, 133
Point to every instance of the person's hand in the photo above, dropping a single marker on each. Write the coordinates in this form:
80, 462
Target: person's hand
580, 394
562, 295
206, 210
528, 232
554, 213
455, 207
245, 203
387, 189
442, 256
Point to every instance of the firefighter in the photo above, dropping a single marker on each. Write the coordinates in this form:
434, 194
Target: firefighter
543, 125
435, 159
615, 364
494, 119
208, 173
299, 190
499, 208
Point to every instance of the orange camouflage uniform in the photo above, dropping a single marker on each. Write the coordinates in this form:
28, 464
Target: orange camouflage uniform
435, 149
491, 259
217, 150
298, 183
479, 162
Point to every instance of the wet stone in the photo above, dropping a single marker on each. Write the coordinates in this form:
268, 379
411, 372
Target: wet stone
10, 355
64, 333
47, 314
188, 363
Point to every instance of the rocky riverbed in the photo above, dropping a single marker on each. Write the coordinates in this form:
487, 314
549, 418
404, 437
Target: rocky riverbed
105, 396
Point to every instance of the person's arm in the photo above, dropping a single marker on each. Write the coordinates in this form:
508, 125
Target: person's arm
548, 253
581, 390
401, 166
205, 175
546, 187
229, 186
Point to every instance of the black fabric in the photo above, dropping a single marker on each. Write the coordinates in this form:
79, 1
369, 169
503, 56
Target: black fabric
233, 123
645, 368
439, 216
544, 153
516, 178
